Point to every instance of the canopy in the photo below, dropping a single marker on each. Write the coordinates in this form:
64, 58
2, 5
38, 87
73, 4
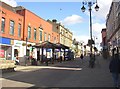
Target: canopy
47, 44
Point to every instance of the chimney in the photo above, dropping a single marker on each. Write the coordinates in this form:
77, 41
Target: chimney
54, 20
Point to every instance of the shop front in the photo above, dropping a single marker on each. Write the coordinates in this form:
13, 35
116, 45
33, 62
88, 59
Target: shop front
17, 49
5, 49
6, 61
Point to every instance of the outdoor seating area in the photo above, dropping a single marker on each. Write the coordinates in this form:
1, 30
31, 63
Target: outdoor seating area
51, 52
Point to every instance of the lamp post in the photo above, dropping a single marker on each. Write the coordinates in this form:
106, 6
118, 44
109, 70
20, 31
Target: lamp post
90, 3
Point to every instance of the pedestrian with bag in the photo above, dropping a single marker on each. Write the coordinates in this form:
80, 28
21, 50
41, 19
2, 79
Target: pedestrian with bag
114, 67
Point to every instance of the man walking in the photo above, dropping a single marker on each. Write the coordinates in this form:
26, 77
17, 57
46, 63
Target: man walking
114, 67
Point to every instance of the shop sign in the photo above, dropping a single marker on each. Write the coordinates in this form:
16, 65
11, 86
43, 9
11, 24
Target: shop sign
17, 43
12, 42
5, 40
2, 53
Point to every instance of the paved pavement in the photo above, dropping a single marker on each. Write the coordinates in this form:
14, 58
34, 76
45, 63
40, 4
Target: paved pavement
75, 73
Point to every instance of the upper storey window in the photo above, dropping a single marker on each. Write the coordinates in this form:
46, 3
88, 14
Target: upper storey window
3, 25
29, 32
12, 27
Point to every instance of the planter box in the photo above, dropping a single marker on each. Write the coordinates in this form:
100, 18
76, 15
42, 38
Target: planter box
7, 64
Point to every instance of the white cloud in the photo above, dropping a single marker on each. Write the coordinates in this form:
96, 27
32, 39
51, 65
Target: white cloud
82, 38
97, 27
73, 19
99, 18
104, 6
10, 2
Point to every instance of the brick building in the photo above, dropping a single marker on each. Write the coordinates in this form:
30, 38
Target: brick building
21, 28
11, 29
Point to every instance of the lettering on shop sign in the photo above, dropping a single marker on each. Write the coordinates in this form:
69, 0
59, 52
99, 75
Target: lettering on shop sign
18, 44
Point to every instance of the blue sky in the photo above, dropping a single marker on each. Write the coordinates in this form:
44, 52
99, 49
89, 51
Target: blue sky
59, 11
70, 15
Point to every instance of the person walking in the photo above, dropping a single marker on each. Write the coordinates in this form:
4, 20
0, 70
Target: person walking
81, 56
114, 68
17, 60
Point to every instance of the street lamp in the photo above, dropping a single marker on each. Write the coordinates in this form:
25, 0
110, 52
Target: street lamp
90, 3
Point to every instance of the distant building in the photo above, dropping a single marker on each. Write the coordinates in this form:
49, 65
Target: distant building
104, 38
64, 35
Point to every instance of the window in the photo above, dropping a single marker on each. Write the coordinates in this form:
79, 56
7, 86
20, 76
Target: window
29, 32
44, 36
35, 34
19, 30
49, 37
54, 39
12, 27
40, 35
3, 25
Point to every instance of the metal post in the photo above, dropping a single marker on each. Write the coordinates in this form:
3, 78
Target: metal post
90, 27
26, 46
94, 46
26, 53
81, 48
90, 3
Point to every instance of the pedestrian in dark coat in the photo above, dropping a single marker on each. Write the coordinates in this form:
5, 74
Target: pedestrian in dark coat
114, 67
81, 56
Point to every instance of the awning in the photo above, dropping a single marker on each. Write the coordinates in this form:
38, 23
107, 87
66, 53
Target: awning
48, 44
61, 46
45, 44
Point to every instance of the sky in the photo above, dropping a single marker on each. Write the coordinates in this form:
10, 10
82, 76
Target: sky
69, 13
